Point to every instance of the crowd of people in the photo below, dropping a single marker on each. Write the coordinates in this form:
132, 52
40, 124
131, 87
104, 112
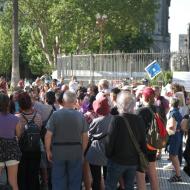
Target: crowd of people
84, 134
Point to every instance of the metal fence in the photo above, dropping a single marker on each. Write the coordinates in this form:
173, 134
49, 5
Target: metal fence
116, 66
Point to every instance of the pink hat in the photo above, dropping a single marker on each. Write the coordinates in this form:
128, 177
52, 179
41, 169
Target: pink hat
148, 91
101, 106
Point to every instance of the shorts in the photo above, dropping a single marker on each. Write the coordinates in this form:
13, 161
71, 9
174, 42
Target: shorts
151, 155
9, 163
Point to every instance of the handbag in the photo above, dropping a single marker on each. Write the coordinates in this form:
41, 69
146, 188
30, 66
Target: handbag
143, 162
171, 126
93, 138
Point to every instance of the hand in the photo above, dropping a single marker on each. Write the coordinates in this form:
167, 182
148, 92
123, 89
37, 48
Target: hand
49, 155
171, 128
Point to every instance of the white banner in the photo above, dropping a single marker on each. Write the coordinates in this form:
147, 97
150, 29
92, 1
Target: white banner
182, 78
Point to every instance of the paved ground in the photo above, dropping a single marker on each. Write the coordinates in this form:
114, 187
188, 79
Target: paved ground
164, 175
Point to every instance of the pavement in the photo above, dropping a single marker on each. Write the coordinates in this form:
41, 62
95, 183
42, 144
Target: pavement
165, 174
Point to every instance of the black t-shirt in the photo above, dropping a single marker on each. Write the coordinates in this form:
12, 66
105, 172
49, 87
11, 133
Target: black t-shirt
146, 115
119, 146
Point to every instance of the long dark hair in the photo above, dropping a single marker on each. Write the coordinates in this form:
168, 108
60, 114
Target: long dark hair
4, 103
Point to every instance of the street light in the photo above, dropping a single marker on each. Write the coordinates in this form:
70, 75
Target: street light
101, 21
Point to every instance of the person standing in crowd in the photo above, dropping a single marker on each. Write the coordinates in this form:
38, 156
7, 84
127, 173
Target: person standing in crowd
10, 153
73, 84
45, 110
123, 158
43, 90
145, 112
113, 98
97, 135
58, 100
3, 84
163, 105
92, 90
103, 88
175, 140
29, 167
65, 141
178, 91
53, 85
90, 115
61, 82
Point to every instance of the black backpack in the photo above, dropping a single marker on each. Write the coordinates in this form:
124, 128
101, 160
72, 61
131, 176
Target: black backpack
30, 139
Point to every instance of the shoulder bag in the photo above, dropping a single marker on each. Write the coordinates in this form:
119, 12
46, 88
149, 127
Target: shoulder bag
143, 162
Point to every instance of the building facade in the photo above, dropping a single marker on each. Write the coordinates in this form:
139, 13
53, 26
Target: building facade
161, 36
183, 44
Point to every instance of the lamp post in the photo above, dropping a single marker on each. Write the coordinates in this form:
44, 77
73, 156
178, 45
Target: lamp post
100, 22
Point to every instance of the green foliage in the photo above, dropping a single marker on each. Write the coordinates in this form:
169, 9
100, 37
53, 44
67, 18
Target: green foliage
132, 42
164, 78
50, 27
38, 64
5, 52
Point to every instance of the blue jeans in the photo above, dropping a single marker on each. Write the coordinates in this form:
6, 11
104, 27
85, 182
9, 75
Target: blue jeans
67, 175
115, 171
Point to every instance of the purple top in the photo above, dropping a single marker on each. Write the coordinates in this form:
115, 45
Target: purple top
8, 125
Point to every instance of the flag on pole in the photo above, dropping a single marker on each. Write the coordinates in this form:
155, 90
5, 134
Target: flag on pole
153, 69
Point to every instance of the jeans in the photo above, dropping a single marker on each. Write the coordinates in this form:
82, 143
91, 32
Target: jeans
28, 172
97, 175
115, 171
67, 175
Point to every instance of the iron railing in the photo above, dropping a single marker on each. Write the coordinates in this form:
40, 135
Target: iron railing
117, 66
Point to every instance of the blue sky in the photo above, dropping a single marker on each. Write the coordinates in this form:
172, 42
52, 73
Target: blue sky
179, 19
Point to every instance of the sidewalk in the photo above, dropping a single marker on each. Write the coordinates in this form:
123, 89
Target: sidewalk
164, 175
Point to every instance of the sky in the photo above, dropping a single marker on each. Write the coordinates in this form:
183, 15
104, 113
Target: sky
179, 19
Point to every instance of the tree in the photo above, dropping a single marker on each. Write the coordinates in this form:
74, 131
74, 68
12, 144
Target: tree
126, 20
15, 75
48, 28
5, 52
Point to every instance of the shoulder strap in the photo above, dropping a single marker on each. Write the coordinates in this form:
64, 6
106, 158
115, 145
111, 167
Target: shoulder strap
53, 107
27, 119
133, 138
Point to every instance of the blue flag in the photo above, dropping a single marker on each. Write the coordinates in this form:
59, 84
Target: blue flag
153, 69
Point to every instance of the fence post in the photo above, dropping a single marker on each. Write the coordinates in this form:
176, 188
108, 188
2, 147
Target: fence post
59, 66
71, 64
91, 68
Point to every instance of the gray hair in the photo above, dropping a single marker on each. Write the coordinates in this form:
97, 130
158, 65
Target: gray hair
103, 84
69, 97
125, 102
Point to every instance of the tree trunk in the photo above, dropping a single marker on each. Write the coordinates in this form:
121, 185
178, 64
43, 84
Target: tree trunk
15, 75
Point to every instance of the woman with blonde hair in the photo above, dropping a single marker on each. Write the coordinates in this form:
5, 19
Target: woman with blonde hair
175, 139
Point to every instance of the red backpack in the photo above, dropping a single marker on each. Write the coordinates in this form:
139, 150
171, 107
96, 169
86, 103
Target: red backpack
157, 135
